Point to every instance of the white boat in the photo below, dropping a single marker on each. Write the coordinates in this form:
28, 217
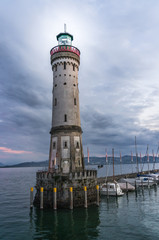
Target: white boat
125, 186
111, 189
152, 176
140, 181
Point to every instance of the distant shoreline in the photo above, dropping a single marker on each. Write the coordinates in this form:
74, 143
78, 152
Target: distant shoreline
93, 161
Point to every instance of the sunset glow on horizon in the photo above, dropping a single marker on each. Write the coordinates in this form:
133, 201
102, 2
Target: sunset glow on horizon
9, 150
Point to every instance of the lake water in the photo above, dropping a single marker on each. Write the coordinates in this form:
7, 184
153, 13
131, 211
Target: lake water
129, 217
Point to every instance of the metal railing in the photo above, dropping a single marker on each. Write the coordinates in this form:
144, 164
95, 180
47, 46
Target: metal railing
65, 48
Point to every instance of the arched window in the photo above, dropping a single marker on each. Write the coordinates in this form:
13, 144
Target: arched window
64, 65
73, 67
75, 101
65, 118
65, 145
77, 144
55, 101
54, 145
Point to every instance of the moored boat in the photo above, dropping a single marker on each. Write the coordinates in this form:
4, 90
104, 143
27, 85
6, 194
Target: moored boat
111, 189
152, 176
141, 181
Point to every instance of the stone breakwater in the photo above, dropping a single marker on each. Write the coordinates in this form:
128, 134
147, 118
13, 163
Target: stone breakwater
77, 181
117, 177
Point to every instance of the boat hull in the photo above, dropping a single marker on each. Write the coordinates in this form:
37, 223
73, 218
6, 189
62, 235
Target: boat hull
111, 189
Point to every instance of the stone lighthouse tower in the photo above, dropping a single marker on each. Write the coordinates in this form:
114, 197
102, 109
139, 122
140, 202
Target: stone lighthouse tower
66, 183
66, 153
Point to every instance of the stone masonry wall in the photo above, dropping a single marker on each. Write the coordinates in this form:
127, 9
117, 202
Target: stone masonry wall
63, 184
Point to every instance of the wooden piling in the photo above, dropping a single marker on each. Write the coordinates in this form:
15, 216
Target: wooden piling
55, 198
85, 196
126, 187
107, 191
97, 187
31, 197
71, 197
148, 183
116, 190
41, 197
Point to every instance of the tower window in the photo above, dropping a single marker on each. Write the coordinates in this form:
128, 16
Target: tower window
54, 145
64, 83
64, 65
77, 145
65, 118
55, 85
65, 145
55, 68
73, 67
75, 101
55, 101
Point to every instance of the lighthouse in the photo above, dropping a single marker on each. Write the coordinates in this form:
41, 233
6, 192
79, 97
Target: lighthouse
66, 152
66, 183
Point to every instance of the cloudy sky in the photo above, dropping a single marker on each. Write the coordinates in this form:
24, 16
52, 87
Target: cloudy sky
118, 77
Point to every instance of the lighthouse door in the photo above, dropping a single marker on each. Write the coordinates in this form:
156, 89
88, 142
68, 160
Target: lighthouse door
66, 166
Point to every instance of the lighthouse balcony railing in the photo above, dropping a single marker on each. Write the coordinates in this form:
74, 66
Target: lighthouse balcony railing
65, 48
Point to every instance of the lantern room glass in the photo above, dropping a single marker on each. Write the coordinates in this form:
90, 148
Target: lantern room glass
64, 40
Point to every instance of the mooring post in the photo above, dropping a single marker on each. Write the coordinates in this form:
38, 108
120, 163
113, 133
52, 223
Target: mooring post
55, 198
126, 187
71, 197
107, 191
97, 187
85, 196
31, 197
116, 190
135, 186
148, 183
41, 197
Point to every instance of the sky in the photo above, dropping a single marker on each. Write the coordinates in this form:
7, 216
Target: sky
118, 76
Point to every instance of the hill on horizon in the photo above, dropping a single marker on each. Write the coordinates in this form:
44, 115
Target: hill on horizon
92, 160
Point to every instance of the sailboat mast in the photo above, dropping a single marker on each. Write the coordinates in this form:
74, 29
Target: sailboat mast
136, 156
120, 164
148, 158
132, 160
106, 158
153, 160
113, 163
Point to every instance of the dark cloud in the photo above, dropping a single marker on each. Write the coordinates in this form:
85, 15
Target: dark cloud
101, 132
19, 85
25, 107
118, 77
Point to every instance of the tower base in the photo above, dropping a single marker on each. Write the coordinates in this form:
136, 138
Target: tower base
79, 182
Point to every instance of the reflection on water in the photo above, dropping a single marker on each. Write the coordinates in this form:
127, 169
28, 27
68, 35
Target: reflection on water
132, 217
65, 224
